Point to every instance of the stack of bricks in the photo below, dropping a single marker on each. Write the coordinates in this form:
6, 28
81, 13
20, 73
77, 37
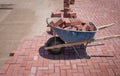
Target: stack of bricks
73, 24
67, 12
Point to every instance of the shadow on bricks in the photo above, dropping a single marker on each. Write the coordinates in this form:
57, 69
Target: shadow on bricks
67, 54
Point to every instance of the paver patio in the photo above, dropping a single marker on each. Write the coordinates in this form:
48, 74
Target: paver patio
31, 59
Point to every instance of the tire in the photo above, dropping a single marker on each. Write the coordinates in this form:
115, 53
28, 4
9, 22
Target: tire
55, 41
82, 46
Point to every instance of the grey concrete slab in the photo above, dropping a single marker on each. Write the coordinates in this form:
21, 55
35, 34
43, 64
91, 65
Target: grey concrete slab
24, 21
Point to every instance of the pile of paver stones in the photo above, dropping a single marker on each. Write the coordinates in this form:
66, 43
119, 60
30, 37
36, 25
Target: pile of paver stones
73, 24
67, 19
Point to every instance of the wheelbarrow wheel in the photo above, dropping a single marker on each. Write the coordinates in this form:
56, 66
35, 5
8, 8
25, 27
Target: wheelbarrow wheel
82, 46
55, 41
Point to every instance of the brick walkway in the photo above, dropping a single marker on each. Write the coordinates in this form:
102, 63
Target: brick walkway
30, 59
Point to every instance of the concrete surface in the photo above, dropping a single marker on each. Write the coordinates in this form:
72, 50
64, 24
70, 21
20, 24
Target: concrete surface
24, 21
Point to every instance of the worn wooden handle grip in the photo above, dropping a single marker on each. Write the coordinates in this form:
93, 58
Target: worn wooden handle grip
105, 26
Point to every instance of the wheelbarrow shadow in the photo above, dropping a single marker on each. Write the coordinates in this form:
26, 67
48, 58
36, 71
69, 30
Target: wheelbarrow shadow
67, 54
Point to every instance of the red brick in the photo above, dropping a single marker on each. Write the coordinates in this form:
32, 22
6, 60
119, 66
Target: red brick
52, 23
87, 73
75, 22
78, 74
54, 61
60, 64
111, 62
43, 68
23, 64
28, 66
87, 28
104, 60
65, 67
111, 66
116, 71
39, 73
63, 73
80, 69
104, 64
96, 65
67, 22
51, 66
74, 66
95, 70
102, 74
57, 69
66, 9
45, 74
103, 68
11, 54
111, 73
97, 59
56, 14
88, 67
67, 62
73, 28
33, 70
72, 70
66, 1
59, 22
89, 62
66, 5
70, 15
83, 60
82, 64
10, 70
28, 58
62, 61
69, 74
16, 70
68, 28
83, 21
93, 74
79, 27
72, 1
54, 74
26, 73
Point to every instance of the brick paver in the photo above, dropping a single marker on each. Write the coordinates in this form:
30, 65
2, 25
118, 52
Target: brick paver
31, 59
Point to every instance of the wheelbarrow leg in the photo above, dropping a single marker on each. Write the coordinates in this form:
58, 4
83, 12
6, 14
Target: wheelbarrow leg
85, 53
76, 51
82, 54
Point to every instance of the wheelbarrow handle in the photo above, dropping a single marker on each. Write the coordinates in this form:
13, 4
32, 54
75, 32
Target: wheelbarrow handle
106, 37
82, 42
105, 26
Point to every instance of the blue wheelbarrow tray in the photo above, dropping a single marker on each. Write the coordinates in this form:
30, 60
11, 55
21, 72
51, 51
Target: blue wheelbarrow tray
70, 36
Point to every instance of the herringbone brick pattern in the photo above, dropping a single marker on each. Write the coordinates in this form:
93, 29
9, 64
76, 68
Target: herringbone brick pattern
31, 59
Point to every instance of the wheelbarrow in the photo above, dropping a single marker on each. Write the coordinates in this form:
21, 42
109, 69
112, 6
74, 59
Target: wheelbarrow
70, 38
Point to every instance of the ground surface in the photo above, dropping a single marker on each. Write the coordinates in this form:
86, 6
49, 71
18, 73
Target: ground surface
24, 21
32, 60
